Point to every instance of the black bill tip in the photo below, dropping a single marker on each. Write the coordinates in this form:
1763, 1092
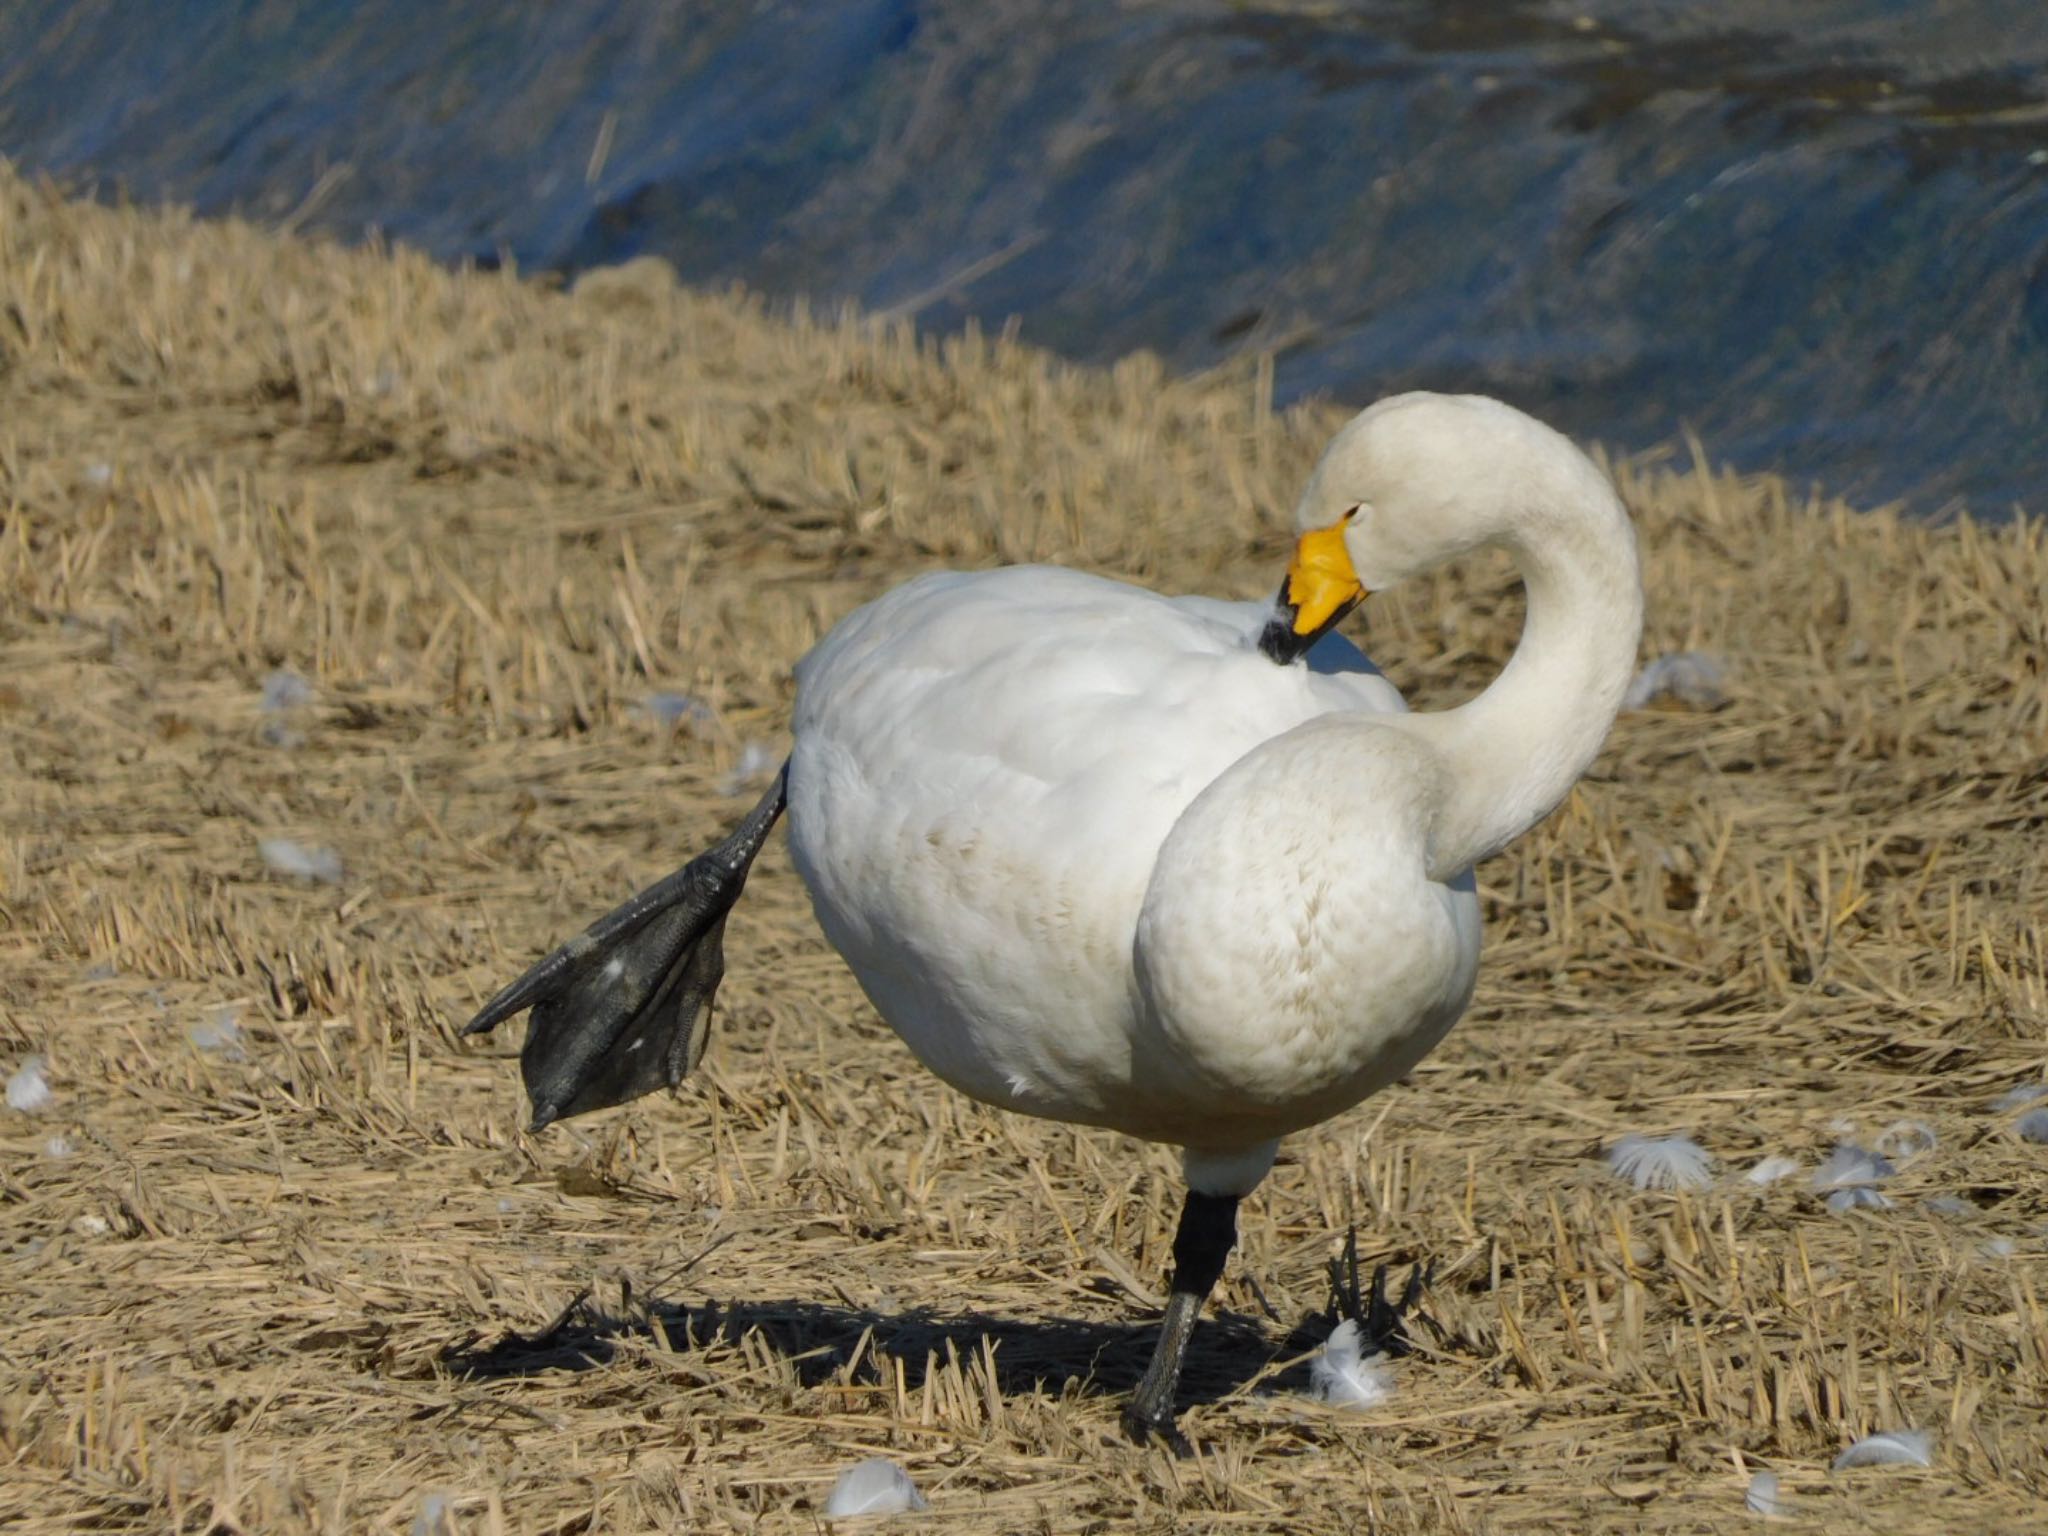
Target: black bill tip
1282, 642
1279, 644
1278, 641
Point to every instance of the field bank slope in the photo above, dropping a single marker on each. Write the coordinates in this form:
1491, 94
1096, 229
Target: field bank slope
269, 1252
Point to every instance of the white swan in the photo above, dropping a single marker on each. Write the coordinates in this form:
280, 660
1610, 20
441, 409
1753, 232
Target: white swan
1096, 857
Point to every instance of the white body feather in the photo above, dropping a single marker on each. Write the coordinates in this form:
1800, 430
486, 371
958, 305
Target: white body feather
1662, 1162
1892, 1447
876, 1486
1763, 1497
1769, 1170
28, 1090
1343, 1376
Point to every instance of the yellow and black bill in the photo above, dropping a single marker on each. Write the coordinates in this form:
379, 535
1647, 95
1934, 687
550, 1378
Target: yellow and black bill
1321, 587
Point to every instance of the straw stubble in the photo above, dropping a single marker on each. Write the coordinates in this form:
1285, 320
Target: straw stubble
315, 1282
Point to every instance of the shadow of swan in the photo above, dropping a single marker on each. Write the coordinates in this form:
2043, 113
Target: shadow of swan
1051, 1354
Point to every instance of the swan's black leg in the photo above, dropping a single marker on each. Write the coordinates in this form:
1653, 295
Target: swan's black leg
1379, 1320
624, 1008
1208, 1228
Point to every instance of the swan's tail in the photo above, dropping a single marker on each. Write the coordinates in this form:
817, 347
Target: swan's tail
624, 1008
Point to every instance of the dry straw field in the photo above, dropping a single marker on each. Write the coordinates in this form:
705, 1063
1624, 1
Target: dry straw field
279, 1255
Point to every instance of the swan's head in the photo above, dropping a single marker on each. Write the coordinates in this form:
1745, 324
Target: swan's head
1406, 485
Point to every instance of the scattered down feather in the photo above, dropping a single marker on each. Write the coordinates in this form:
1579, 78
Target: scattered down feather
284, 689
876, 1486
1904, 1140
1689, 679
675, 708
28, 1091
1892, 1448
2033, 1126
1764, 1499
221, 1032
2019, 1098
1773, 1168
1950, 1205
286, 857
1343, 1376
1849, 1177
1662, 1162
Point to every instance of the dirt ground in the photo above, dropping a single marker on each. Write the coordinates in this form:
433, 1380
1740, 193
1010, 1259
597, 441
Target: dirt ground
279, 1255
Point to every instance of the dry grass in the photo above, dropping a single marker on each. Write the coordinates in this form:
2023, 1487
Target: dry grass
299, 1286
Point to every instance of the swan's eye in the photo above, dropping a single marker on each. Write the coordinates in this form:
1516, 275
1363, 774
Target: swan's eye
1352, 515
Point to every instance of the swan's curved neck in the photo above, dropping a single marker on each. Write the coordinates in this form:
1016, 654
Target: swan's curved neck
1513, 753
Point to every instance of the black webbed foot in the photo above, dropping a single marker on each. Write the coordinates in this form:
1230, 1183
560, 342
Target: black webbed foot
1382, 1322
624, 1008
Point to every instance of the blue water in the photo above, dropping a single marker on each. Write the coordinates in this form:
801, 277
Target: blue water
1817, 234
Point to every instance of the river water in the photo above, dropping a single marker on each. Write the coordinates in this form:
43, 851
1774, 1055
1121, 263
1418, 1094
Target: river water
1817, 233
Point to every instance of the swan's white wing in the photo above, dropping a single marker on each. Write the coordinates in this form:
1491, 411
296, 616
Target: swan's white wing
986, 765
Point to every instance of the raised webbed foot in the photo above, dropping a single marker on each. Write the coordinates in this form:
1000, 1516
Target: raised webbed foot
624, 1008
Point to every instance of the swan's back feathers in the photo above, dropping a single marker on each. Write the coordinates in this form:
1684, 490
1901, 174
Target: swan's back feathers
1071, 639
986, 766
992, 690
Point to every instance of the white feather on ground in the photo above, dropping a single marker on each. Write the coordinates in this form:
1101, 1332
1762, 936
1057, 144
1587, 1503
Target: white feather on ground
1773, 1168
284, 689
876, 1486
1849, 1176
221, 1032
1949, 1205
2019, 1098
1343, 1376
2033, 1125
1662, 1162
284, 692
1892, 1448
286, 857
1690, 678
28, 1091
1904, 1140
1764, 1499
57, 1148
674, 708
435, 1517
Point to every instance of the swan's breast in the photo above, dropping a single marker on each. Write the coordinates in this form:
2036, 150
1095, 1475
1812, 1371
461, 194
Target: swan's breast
1292, 952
